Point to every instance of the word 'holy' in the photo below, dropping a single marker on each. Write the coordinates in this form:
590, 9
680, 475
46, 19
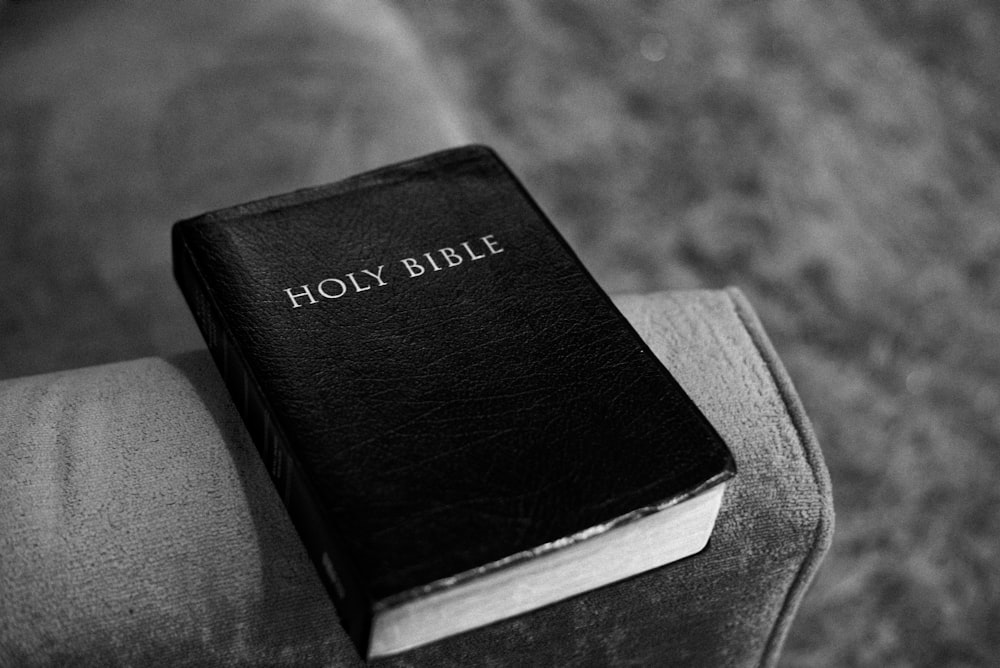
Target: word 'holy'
363, 280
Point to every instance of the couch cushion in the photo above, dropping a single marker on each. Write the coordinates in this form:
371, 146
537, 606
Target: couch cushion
138, 526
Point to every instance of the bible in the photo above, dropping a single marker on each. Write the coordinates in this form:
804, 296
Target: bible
461, 424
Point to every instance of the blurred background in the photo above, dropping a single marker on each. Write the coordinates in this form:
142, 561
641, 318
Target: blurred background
838, 161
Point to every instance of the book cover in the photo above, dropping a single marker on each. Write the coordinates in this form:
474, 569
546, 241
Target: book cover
444, 397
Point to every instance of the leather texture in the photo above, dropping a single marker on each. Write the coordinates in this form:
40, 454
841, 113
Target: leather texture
139, 527
453, 418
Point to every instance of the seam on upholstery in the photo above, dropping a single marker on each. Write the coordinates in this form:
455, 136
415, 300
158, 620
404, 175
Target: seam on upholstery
823, 533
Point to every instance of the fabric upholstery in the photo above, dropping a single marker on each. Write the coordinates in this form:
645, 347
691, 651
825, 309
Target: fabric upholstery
119, 118
138, 526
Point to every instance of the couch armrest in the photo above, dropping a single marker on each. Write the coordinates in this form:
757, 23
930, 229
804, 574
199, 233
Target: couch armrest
137, 524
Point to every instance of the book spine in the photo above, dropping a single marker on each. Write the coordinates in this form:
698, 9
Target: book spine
335, 571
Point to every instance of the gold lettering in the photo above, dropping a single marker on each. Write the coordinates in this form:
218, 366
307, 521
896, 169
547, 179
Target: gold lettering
472, 254
357, 288
451, 257
431, 260
343, 288
412, 266
296, 296
377, 275
492, 244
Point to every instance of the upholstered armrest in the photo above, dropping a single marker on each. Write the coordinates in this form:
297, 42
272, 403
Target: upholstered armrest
138, 526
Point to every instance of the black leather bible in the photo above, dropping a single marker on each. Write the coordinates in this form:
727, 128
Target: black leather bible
461, 424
